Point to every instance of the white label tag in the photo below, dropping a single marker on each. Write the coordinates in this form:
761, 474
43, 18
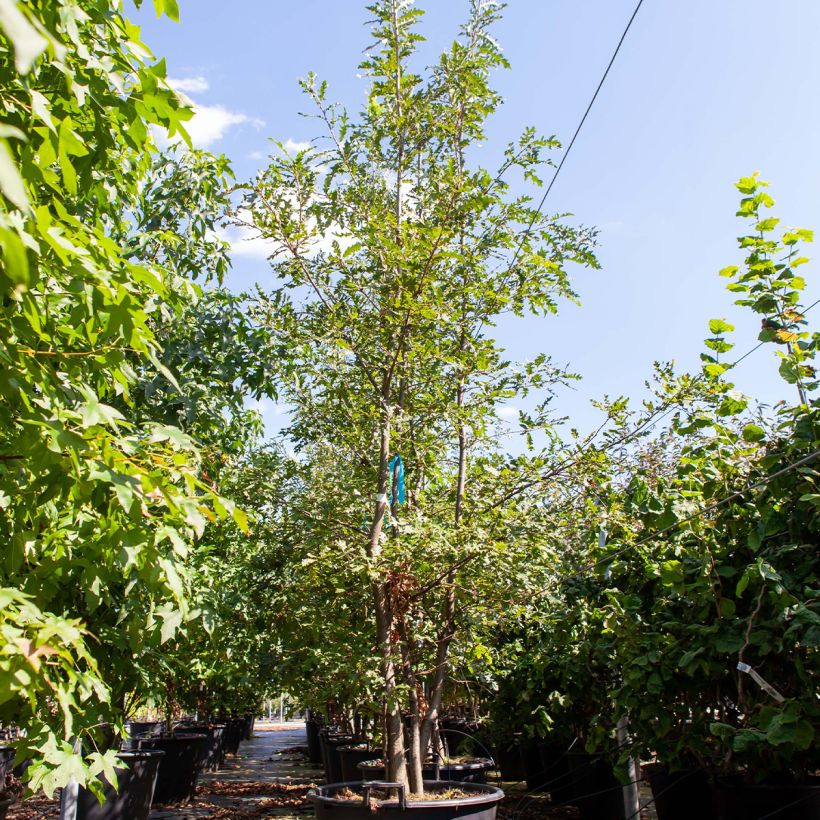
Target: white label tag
381, 498
763, 684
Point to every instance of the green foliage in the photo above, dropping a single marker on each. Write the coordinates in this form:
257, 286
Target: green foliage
394, 256
733, 576
100, 505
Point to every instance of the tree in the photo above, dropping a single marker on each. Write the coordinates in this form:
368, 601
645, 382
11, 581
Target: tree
395, 256
100, 508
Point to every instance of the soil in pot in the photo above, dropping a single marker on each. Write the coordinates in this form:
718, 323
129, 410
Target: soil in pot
735, 801
476, 801
679, 795
179, 769
132, 799
598, 794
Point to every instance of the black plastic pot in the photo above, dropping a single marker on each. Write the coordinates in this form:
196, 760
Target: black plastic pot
250, 721
132, 799
6, 760
481, 804
5, 805
233, 735
532, 767
314, 744
509, 763
145, 728
473, 772
556, 773
679, 795
351, 756
784, 802
598, 794
330, 755
179, 769
212, 752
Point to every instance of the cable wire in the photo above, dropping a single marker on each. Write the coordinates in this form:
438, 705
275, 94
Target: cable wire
575, 135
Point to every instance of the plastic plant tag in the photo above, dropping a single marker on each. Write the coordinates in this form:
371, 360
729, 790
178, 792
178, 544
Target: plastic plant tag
763, 684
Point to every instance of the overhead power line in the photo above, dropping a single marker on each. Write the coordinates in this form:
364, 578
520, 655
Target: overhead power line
575, 135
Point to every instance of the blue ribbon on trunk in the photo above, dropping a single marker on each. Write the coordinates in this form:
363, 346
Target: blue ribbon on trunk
397, 492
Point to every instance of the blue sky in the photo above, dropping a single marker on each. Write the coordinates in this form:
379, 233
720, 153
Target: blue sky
703, 92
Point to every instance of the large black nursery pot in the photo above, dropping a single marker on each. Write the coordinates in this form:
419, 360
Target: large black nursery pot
234, 734
314, 744
6, 760
351, 756
788, 801
508, 757
473, 771
6, 763
598, 793
374, 770
557, 776
389, 800
145, 728
532, 766
330, 755
679, 795
212, 751
132, 799
179, 768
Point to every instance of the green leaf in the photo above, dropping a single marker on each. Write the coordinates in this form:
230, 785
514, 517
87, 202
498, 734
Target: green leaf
28, 43
720, 326
168, 7
766, 225
753, 433
15, 257
727, 607
11, 183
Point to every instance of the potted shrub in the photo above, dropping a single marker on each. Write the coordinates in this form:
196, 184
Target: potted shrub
716, 617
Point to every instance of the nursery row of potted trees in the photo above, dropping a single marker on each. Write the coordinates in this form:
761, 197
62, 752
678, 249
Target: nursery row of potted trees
690, 619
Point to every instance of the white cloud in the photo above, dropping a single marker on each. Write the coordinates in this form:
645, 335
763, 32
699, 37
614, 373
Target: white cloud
188, 85
245, 241
294, 146
256, 155
508, 412
267, 407
210, 123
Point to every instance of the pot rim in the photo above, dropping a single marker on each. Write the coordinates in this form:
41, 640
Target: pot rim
484, 794
134, 754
